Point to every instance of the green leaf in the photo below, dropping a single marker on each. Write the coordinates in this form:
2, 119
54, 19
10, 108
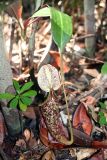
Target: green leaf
26, 86
44, 12
30, 93
26, 100
102, 120
61, 25
8, 96
16, 86
22, 106
101, 114
104, 68
102, 105
14, 103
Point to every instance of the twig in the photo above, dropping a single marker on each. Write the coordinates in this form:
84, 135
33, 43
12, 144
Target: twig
83, 37
31, 47
91, 59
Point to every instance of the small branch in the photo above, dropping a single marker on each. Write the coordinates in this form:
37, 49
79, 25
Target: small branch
32, 45
91, 59
85, 36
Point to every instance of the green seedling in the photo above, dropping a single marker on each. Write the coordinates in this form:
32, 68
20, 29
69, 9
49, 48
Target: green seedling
22, 96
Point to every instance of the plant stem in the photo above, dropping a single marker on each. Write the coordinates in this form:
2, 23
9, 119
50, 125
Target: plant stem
62, 80
20, 2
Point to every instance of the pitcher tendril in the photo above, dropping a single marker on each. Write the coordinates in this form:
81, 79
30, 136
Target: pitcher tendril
67, 108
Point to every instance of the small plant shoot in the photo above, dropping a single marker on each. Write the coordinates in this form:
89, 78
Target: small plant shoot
61, 28
22, 96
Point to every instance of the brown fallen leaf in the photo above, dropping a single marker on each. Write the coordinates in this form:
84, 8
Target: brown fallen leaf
83, 153
22, 157
56, 61
15, 10
81, 120
98, 156
105, 153
49, 155
89, 100
32, 141
27, 134
30, 113
21, 143
92, 72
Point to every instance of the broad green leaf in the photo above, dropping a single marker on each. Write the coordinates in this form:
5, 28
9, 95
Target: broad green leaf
44, 12
14, 103
16, 86
104, 69
26, 86
61, 25
8, 96
22, 106
26, 100
30, 93
17, 96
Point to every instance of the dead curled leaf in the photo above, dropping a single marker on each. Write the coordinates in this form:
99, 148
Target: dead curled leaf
15, 10
30, 113
48, 78
81, 119
21, 143
55, 58
89, 100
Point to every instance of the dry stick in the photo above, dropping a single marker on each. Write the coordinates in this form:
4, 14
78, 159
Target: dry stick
11, 42
20, 24
91, 59
83, 37
22, 32
67, 107
32, 45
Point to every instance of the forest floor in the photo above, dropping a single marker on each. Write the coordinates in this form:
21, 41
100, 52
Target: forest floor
85, 86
